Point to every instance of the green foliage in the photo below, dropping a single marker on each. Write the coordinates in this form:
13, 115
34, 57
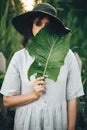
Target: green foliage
81, 122
73, 13
9, 39
48, 49
1, 80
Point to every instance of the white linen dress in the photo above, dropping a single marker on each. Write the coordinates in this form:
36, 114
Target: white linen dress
49, 112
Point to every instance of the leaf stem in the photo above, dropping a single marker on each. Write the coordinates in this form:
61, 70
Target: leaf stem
44, 73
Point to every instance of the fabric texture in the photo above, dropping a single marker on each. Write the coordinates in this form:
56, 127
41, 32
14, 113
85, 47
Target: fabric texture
49, 112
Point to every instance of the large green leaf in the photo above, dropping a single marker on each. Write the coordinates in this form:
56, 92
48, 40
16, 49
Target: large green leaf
49, 50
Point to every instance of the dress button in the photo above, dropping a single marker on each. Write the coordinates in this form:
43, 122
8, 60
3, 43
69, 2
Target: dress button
45, 101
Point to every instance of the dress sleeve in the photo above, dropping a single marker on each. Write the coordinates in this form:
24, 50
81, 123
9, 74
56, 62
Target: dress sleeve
74, 83
11, 83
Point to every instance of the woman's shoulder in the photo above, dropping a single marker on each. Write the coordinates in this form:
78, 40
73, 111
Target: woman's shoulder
20, 52
70, 58
22, 56
18, 56
70, 55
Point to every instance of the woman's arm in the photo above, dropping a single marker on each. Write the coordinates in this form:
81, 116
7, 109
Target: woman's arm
19, 100
72, 112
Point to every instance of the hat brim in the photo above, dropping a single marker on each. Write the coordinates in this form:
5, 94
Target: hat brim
23, 21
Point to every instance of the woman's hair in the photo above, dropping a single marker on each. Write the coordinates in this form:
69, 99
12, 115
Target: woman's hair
29, 33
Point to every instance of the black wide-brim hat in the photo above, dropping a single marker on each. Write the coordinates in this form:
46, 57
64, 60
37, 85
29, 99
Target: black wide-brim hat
23, 21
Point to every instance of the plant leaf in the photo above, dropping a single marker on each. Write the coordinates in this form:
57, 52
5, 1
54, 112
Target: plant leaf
49, 50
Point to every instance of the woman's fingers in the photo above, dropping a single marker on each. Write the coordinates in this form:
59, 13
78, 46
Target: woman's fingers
40, 78
39, 85
40, 88
39, 81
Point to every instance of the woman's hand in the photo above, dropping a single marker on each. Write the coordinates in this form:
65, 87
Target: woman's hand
20, 100
39, 86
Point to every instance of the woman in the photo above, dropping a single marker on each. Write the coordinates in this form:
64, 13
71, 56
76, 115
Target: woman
41, 104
